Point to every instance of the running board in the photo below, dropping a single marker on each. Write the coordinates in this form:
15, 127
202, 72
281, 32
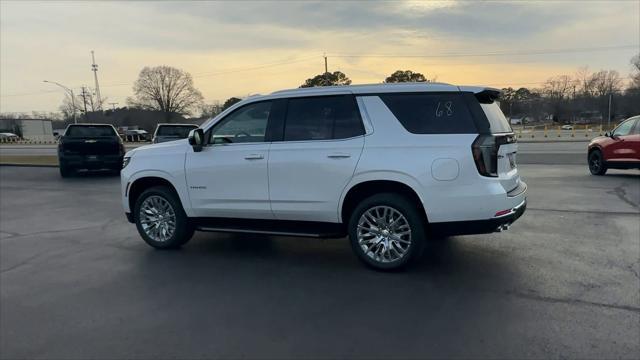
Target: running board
271, 227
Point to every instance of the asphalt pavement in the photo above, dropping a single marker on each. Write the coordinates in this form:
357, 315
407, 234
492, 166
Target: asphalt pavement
76, 281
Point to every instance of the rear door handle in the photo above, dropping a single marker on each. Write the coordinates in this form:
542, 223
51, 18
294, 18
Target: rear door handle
339, 155
254, 157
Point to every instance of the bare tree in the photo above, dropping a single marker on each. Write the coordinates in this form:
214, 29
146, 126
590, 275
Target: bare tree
606, 82
558, 87
67, 107
167, 89
584, 82
635, 72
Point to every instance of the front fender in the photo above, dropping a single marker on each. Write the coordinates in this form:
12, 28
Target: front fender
176, 180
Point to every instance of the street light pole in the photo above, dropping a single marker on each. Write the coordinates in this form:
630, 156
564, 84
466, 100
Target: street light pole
73, 98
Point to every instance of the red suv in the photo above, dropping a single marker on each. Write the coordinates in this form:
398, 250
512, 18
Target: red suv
618, 149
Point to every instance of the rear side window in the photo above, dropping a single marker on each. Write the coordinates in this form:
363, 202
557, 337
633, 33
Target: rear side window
173, 130
498, 123
426, 113
322, 118
90, 131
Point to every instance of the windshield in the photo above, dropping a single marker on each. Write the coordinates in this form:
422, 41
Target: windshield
176, 131
90, 131
497, 122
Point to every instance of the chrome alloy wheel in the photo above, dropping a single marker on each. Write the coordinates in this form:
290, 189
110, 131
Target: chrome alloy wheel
384, 234
157, 218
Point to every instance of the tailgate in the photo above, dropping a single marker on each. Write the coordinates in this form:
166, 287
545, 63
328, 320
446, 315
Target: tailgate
91, 146
507, 166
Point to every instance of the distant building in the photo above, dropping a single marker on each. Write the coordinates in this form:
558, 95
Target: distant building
29, 129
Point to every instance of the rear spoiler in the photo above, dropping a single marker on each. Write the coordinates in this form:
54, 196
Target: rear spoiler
488, 96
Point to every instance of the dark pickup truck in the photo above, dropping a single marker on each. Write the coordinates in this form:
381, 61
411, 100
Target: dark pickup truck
90, 146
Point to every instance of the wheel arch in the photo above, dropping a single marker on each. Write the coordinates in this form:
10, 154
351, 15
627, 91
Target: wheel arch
362, 189
146, 181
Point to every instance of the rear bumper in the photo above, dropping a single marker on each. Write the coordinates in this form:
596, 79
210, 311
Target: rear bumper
91, 161
496, 224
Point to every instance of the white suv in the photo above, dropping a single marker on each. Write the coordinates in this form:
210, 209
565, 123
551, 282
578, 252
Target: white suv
387, 165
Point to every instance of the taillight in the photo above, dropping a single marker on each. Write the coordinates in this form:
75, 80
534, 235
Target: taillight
485, 155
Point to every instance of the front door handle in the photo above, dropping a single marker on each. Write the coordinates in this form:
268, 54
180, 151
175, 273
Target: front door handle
339, 155
254, 157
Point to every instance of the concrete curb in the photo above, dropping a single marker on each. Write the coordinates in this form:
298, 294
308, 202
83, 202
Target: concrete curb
28, 165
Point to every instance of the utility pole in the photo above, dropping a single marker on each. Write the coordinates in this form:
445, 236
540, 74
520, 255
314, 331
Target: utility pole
94, 68
326, 68
83, 95
73, 98
609, 117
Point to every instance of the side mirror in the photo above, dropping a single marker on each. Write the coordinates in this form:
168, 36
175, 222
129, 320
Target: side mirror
196, 139
607, 134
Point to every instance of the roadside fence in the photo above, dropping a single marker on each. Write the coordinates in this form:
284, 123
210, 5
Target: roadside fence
560, 131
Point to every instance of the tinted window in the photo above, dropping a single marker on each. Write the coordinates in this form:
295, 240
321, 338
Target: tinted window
174, 130
624, 128
431, 113
245, 125
90, 131
322, 118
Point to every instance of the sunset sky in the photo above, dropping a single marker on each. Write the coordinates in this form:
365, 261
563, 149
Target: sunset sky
241, 48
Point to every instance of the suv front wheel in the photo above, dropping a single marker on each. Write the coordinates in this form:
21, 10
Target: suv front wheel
161, 220
387, 231
596, 163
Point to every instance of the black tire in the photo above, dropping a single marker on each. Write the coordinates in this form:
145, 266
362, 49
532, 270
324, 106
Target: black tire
411, 212
183, 228
66, 171
596, 163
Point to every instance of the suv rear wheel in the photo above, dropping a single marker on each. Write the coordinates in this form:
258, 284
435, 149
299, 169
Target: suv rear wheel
161, 220
387, 231
596, 163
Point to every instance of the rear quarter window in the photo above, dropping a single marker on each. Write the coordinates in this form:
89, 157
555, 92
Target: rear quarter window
425, 113
498, 123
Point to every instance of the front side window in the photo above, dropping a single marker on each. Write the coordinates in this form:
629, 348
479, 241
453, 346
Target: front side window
624, 128
322, 118
247, 124
431, 113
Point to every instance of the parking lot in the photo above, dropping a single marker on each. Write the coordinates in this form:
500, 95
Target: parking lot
77, 282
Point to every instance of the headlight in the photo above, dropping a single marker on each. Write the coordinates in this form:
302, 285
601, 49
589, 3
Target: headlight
125, 161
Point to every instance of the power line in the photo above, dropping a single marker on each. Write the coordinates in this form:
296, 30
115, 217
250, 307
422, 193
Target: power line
494, 53
268, 65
